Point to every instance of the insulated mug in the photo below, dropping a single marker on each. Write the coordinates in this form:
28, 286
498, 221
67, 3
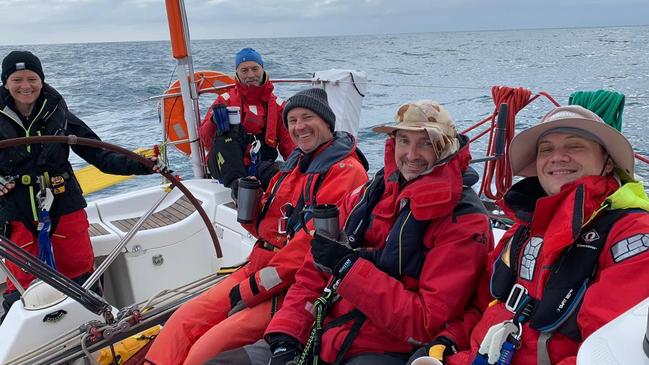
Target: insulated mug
234, 115
325, 220
247, 201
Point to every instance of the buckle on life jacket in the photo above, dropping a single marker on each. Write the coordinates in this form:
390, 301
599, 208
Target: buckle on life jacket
516, 296
26, 179
267, 246
282, 222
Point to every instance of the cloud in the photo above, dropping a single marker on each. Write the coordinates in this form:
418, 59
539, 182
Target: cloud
65, 21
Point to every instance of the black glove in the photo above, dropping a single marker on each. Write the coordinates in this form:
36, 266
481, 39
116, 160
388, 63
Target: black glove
332, 255
285, 349
220, 118
236, 303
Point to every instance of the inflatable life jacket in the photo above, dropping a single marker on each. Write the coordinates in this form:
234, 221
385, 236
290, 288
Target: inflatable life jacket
172, 110
315, 170
403, 251
566, 284
402, 255
259, 123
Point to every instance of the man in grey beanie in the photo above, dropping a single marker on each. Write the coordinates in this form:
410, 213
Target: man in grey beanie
309, 119
314, 99
321, 170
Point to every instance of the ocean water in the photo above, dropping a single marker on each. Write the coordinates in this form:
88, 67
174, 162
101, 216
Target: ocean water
108, 84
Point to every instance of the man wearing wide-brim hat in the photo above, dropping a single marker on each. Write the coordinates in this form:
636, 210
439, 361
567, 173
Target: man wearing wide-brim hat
580, 240
413, 251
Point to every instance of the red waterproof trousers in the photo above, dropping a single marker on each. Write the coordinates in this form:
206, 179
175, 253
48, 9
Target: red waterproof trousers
70, 243
200, 329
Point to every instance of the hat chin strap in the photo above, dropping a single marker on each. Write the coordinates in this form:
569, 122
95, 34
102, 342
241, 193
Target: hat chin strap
608, 158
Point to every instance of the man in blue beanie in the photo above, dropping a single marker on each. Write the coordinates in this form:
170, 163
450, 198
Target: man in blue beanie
250, 148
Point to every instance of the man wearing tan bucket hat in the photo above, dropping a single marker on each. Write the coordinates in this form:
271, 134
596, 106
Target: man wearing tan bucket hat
581, 229
414, 246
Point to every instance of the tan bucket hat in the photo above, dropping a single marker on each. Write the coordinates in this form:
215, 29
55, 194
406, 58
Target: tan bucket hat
571, 119
429, 116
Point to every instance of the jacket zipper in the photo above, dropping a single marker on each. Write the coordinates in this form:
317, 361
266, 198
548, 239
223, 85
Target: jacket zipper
32, 199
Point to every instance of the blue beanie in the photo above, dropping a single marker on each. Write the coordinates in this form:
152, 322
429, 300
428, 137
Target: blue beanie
248, 54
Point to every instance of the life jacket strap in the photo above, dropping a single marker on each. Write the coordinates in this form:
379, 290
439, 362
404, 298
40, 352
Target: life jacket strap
542, 354
49, 179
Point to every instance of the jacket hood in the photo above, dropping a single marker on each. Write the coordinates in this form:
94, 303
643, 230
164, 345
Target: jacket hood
430, 195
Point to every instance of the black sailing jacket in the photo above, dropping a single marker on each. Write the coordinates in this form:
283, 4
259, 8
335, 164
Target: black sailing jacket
50, 116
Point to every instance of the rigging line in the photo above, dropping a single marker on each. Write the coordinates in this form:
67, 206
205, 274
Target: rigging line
433, 86
394, 85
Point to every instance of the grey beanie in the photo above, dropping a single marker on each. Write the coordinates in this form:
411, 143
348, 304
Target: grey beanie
314, 99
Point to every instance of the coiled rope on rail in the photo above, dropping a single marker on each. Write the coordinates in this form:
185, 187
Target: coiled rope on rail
609, 105
498, 173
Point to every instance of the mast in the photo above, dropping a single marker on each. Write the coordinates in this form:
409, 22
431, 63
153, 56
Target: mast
179, 31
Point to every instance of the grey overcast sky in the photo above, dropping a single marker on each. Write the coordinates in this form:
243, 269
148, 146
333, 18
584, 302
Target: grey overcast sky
73, 21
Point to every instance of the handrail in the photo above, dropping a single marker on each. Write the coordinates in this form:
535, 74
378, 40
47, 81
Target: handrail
229, 86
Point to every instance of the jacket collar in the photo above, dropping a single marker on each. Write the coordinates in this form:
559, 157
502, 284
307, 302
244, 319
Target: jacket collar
558, 218
430, 195
255, 93
526, 197
47, 102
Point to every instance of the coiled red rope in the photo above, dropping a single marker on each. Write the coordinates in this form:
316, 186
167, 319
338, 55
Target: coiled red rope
498, 173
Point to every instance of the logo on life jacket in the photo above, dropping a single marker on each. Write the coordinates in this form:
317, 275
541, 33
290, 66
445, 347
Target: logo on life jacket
590, 236
564, 301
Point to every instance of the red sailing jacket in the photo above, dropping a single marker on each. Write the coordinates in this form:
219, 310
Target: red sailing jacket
401, 314
274, 271
605, 298
260, 109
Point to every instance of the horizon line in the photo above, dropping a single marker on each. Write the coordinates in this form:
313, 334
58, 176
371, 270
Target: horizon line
338, 35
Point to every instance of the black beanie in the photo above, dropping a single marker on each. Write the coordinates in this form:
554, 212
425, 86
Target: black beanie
314, 99
21, 60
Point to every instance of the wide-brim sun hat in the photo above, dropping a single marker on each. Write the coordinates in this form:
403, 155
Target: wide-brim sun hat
428, 116
564, 119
